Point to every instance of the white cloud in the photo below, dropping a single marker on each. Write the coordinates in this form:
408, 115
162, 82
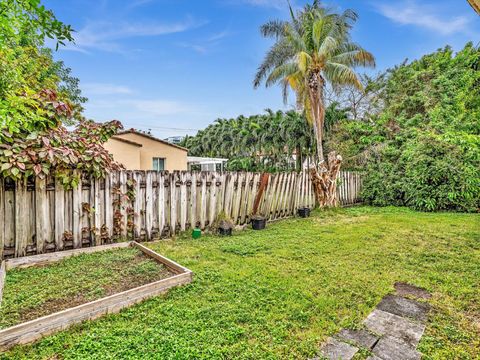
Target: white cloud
160, 107
277, 4
138, 3
105, 89
218, 36
106, 36
411, 13
204, 46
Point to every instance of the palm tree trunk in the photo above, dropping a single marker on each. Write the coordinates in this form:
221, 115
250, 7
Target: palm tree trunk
318, 137
324, 179
298, 159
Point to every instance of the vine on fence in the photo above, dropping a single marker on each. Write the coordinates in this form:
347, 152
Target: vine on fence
57, 151
121, 202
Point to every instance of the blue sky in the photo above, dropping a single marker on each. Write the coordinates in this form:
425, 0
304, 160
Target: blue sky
174, 66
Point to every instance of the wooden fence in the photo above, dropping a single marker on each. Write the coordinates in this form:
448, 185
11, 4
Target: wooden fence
41, 216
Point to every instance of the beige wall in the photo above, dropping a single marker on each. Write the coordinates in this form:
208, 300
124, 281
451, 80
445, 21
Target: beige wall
124, 153
175, 158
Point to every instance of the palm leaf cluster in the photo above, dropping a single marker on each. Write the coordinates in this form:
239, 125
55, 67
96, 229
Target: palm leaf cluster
265, 142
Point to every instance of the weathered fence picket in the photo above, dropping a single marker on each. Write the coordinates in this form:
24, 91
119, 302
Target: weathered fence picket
41, 216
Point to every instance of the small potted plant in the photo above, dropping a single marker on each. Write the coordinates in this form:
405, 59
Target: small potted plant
258, 222
224, 224
304, 212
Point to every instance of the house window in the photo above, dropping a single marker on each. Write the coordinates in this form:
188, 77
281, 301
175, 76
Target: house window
158, 164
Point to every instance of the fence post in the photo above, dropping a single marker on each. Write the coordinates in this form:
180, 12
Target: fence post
261, 190
148, 205
42, 228
21, 218
77, 214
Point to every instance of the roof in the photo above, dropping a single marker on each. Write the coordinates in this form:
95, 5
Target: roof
475, 5
151, 137
126, 141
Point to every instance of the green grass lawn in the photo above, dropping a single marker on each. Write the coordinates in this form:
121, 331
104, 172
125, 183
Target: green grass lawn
278, 293
38, 291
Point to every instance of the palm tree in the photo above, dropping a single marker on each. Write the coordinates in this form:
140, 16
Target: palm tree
312, 50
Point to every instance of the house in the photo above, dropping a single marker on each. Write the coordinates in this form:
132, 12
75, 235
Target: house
175, 139
137, 150
206, 164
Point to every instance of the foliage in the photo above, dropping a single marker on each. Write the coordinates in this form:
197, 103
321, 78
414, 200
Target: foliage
257, 143
429, 174
223, 221
266, 142
279, 293
423, 149
58, 151
25, 72
37, 96
312, 50
360, 104
30, 18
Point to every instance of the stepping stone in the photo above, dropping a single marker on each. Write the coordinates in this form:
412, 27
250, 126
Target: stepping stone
392, 348
404, 289
385, 323
361, 338
374, 357
334, 349
404, 307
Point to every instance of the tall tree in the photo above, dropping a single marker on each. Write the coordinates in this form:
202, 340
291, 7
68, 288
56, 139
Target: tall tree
30, 19
264, 142
312, 49
38, 96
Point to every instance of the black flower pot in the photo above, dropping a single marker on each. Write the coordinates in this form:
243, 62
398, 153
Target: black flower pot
304, 212
259, 224
225, 231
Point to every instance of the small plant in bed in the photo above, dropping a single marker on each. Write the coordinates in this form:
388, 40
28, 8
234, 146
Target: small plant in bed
224, 224
38, 291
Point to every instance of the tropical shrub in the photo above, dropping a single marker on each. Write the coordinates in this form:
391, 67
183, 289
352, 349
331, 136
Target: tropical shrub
438, 176
423, 149
37, 97
265, 142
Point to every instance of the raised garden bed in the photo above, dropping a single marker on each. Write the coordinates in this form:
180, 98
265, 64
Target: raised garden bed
49, 292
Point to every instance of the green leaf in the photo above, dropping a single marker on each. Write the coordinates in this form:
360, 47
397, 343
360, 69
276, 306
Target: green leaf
6, 166
15, 171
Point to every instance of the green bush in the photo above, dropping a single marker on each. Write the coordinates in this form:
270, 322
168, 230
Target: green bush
438, 176
423, 149
430, 174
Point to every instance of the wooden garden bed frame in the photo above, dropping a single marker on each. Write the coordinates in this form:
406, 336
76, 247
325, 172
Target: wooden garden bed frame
36, 329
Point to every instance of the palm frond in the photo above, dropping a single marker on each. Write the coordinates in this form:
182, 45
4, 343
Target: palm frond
303, 61
295, 39
280, 53
318, 31
285, 90
274, 29
340, 74
351, 54
281, 72
349, 17
328, 46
